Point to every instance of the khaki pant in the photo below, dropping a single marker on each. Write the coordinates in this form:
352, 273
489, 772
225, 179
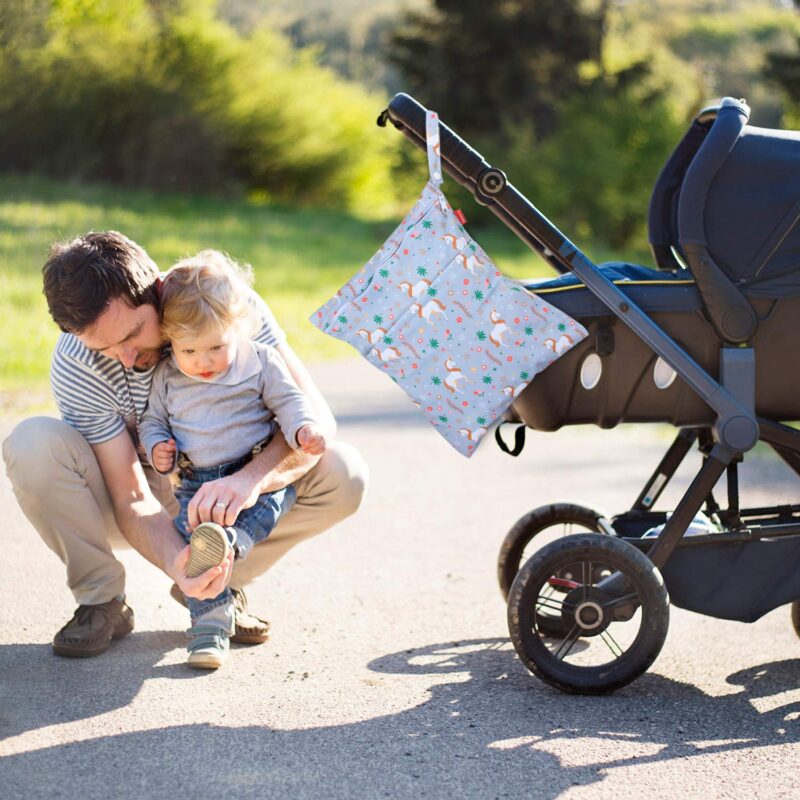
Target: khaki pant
59, 486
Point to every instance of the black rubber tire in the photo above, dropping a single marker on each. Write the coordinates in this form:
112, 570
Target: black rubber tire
529, 526
642, 576
796, 616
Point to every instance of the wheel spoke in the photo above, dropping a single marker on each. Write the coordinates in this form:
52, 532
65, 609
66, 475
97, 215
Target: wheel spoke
615, 649
631, 597
586, 577
569, 641
552, 603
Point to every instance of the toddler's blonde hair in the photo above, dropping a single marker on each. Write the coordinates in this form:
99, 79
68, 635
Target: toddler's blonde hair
209, 290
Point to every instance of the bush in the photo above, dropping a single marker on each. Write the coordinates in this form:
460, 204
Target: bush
164, 95
594, 178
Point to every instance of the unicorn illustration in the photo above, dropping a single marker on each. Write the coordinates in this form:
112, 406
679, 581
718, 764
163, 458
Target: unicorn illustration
372, 337
456, 242
500, 327
454, 376
427, 311
473, 436
388, 354
419, 288
514, 391
564, 343
470, 262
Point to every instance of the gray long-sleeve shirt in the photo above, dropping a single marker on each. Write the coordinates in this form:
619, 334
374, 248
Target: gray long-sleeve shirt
217, 421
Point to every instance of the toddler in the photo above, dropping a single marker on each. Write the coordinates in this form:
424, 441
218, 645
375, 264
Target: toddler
214, 403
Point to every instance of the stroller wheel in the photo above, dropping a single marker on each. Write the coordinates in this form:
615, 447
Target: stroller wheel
545, 524
612, 628
796, 616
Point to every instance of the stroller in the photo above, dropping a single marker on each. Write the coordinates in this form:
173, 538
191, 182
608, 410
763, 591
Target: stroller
705, 342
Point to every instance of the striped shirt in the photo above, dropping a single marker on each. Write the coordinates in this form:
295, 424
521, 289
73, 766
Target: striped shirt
101, 398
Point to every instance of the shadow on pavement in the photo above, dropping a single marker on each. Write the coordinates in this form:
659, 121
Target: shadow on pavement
50, 690
487, 726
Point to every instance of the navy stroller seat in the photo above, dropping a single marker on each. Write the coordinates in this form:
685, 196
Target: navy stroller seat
627, 390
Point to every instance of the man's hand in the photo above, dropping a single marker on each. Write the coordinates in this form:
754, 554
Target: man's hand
221, 500
311, 440
205, 586
164, 456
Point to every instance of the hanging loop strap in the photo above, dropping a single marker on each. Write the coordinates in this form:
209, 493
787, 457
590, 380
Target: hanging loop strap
519, 439
434, 155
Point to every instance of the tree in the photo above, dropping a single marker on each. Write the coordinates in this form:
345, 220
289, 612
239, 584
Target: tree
484, 65
784, 70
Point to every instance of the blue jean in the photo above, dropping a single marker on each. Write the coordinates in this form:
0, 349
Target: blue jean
253, 525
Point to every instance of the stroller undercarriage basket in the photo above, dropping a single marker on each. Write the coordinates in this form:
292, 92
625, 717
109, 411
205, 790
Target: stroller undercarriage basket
707, 342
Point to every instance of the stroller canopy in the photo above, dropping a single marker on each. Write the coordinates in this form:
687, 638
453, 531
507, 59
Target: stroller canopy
752, 213
748, 198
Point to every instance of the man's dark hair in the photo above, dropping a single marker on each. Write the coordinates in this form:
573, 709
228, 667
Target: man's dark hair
83, 276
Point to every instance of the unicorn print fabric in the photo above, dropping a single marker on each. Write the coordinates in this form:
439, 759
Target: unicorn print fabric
433, 312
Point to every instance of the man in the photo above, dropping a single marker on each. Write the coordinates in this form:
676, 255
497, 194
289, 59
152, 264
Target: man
84, 483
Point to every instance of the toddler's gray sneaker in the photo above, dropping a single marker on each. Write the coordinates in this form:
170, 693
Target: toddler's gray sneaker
208, 648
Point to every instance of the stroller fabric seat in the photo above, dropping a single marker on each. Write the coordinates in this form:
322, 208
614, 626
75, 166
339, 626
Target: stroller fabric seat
651, 290
613, 376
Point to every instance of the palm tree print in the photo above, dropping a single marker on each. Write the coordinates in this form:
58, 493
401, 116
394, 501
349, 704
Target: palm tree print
529, 331
427, 224
481, 420
384, 273
523, 376
487, 379
377, 319
388, 340
443, 418
343, 320
562, 327
432, 292
422, 271
478, 294
434, 343
481, 335
435, 380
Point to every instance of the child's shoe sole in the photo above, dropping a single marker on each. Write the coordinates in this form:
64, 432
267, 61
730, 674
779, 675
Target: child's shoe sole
209, 546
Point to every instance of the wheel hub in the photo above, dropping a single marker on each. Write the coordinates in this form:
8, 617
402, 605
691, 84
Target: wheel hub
583, 606
589, 615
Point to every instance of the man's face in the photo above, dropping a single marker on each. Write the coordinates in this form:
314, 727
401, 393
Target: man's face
130, 335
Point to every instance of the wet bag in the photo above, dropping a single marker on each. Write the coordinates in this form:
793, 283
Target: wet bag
433, 312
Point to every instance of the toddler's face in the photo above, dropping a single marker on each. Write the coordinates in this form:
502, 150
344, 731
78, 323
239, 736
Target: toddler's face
206, 354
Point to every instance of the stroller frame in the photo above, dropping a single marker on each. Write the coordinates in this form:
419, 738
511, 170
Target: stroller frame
736, 428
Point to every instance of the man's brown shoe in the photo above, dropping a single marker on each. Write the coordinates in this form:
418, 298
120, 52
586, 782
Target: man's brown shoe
250, 629
92, 628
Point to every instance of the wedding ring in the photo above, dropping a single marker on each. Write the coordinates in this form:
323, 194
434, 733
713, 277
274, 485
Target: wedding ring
221, 505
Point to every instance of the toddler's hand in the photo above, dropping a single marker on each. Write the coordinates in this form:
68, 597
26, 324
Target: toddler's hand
164, 456
311, 440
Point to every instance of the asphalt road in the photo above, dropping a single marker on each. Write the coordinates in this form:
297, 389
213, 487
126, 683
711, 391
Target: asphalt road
390, 672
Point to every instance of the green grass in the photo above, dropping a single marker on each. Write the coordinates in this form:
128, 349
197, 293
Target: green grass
300, 257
